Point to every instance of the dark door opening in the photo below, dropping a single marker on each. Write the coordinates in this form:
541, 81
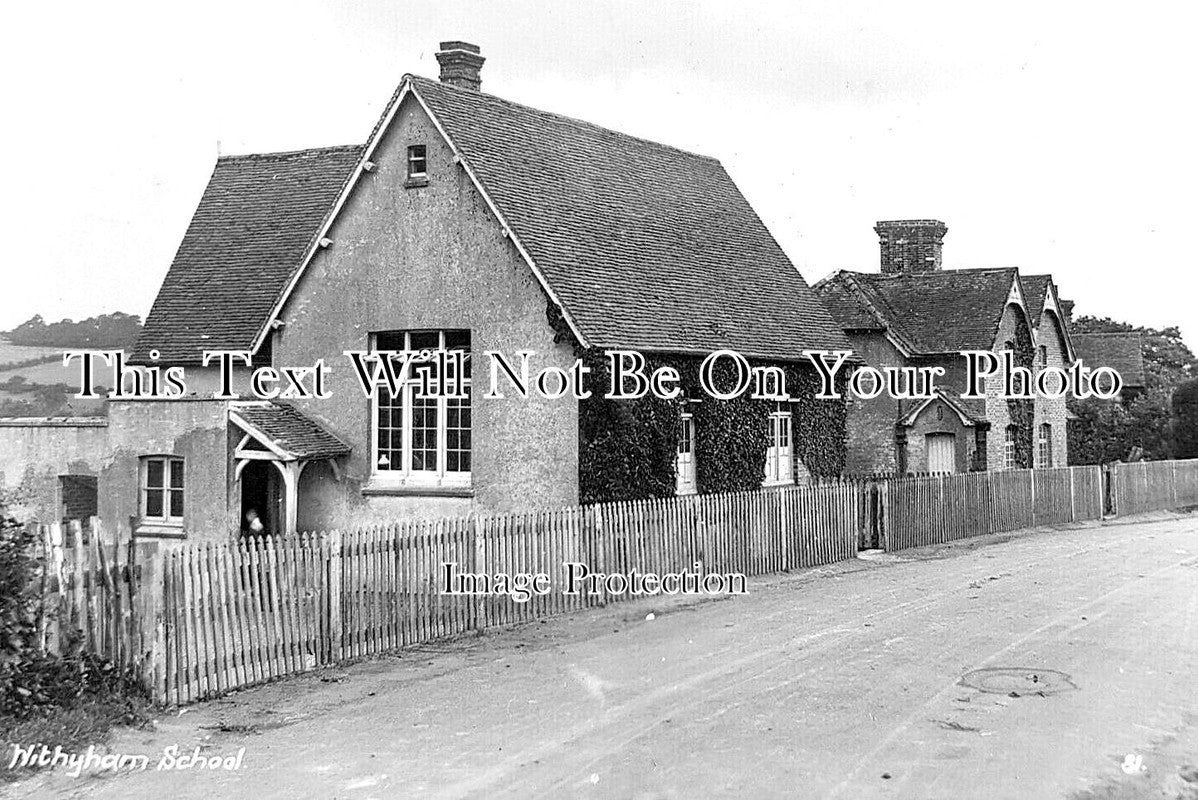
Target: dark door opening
259, 492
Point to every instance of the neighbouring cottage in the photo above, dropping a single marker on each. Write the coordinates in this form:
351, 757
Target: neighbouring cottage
465, 223
915, 313
1123, 352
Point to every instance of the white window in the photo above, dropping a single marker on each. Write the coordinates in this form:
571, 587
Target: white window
417, 162
162, 490
1045, 445
1008, 451
778, 458
686, 455
416, 438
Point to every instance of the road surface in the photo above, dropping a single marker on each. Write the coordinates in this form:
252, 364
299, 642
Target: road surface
1055, 663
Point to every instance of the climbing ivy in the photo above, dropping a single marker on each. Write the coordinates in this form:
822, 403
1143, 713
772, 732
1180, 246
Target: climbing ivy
1022, 411
627, 448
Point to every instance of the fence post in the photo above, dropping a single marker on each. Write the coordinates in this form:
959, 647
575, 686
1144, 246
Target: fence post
1033, 473
1110, 490
1173, 482
53, 540
478, 567
1072, 495
335, 583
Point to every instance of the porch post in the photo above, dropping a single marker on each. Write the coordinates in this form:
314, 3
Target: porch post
291, 474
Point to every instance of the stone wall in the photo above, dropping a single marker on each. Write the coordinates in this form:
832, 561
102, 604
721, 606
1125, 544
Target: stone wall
35, 452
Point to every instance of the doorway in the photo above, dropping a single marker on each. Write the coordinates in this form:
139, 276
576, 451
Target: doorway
942, 452
260, 492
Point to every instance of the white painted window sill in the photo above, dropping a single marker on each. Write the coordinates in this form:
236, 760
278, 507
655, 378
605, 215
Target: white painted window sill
158, 529
396, 487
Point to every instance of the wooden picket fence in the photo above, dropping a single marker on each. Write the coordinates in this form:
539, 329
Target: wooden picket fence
195, 621
1154, 485
93, 594
934, 510
239, 613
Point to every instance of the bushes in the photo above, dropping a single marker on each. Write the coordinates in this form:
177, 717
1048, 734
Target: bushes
33, 682
18, 598
1099, 433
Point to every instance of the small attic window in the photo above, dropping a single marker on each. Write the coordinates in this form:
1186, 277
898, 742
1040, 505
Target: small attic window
417, 162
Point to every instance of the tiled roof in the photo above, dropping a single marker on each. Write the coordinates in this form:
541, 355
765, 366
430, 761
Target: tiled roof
1122, 352
974, 410
646, 246
1035, 287
290, 431
846, 302
929, 312
254, 222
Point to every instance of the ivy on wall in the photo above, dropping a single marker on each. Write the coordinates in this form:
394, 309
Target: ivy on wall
1022, 411
627, 448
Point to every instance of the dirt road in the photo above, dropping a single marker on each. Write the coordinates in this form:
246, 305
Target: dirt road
1026, 666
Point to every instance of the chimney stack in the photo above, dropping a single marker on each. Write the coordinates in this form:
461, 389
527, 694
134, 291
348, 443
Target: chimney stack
911, 245
460, 63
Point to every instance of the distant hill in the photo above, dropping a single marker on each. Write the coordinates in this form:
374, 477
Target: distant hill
107, 331
33, 380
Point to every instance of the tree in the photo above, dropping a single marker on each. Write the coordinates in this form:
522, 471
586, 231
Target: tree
116, 330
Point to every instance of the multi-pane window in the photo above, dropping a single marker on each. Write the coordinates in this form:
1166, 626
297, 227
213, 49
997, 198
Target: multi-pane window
778, 458
1043, 355
1008, 448
162, 490
417, 162
1045, 445
418, 437
686, 455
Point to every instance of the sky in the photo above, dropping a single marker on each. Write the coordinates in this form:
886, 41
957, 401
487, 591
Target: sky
1055, 137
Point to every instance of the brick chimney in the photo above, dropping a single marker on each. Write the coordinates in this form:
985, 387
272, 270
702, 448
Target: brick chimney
911, 245
460, 63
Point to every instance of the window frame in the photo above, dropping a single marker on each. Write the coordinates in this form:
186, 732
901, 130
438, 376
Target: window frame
441, 477
779, 455
684, 460
1009, 451
1044, 445
413, 157
168, 488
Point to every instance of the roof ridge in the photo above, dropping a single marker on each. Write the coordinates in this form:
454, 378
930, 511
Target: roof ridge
881, 309
562, 117
938, 273
1112, 333
286, 154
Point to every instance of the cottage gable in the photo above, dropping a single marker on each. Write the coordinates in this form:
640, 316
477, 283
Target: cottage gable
1045, 306
926, 314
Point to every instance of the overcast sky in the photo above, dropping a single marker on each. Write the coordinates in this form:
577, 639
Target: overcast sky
1056, 138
